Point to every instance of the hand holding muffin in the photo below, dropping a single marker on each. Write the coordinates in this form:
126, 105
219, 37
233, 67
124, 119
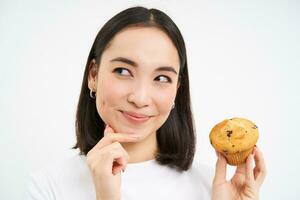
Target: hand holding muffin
234, 141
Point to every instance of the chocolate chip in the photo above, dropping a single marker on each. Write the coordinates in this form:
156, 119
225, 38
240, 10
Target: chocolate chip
233, 145
246, 131
229, 133
254, 127
210, 142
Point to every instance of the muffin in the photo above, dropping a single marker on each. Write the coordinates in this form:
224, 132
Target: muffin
235, 139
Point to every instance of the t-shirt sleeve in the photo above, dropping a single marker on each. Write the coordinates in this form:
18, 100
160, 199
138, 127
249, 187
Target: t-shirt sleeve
38, 187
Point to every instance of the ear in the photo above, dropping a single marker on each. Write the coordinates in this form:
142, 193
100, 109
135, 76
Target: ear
92, 75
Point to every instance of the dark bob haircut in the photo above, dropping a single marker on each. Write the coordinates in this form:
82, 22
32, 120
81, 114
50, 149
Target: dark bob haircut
176, 137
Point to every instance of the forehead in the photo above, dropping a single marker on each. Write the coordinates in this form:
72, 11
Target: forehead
145, 45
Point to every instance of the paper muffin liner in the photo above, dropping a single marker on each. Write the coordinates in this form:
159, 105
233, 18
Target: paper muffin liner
237, 158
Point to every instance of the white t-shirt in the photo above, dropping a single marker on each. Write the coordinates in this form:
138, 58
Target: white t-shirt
71, 180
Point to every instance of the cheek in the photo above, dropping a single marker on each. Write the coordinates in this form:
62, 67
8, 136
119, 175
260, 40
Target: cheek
165, 100
109, 95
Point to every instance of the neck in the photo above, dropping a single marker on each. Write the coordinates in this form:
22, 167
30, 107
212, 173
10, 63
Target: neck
142, 151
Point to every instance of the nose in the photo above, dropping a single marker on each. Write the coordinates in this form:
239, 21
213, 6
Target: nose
140, 95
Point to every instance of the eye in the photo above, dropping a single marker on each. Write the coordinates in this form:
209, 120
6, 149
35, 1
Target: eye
164, 79
122, 71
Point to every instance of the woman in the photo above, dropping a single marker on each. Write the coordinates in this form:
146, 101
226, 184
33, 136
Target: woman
134, 113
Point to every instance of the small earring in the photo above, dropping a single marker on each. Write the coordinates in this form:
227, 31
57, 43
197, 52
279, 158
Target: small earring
173, 106
91, 94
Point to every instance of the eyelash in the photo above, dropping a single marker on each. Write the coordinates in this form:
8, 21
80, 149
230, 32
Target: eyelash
121, 68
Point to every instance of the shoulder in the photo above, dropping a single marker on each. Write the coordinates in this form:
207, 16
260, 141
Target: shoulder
67, 167
46, 182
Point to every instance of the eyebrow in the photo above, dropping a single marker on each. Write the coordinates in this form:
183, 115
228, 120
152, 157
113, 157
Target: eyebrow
134, 64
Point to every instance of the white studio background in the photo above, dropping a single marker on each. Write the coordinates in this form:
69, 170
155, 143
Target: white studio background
243, 60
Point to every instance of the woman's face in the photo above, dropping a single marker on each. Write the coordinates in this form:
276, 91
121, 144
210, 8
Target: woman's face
138, 75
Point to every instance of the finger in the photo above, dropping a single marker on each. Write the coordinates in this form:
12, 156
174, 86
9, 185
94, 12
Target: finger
220, 172
260, 168
249, 169
108, 130
113, 157
217, 153
118, 147
241, 169
106, 141
120, 137
119, 157
118, 165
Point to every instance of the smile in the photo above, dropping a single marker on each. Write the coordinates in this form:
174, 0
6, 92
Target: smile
135, 118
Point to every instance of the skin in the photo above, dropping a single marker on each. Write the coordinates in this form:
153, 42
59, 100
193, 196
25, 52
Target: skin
143, 89
245, 183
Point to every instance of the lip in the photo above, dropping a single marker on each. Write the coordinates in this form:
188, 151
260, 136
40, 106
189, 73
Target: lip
135, 117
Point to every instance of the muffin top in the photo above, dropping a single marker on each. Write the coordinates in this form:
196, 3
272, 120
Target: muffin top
234, 135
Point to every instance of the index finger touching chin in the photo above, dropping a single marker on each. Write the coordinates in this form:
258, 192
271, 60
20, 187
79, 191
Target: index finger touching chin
108, 130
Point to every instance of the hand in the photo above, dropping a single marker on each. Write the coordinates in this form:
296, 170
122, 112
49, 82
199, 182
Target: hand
245, 183
106, 160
